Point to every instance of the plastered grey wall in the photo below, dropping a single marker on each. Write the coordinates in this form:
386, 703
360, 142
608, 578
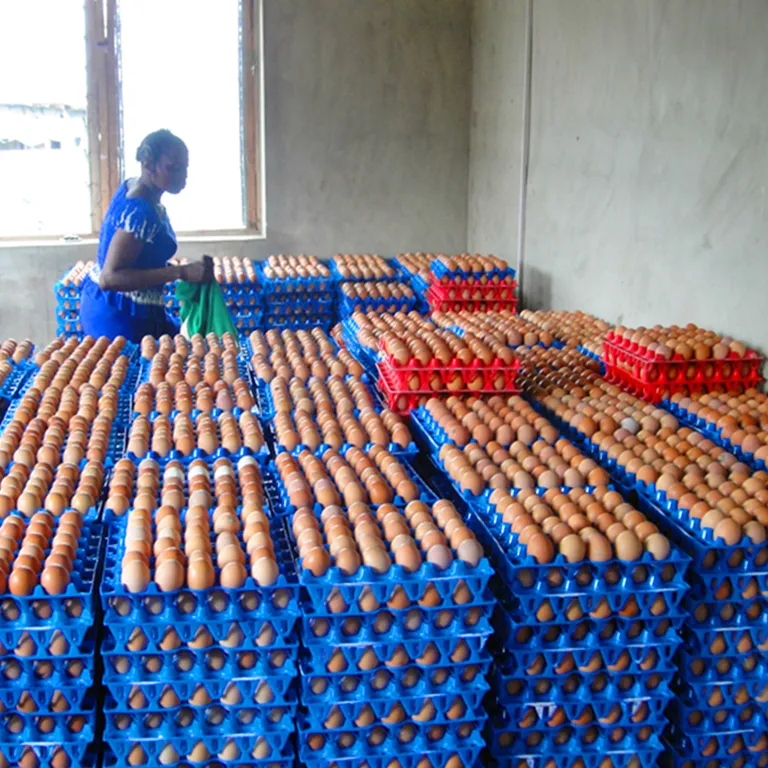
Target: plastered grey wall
649, 160
367, 143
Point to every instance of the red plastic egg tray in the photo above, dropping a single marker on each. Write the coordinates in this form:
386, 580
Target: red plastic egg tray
471, 297
655, 378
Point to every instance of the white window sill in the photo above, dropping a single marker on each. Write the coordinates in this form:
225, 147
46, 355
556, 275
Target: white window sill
59, 242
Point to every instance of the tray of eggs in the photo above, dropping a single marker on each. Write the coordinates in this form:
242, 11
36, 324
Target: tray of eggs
217, 556
735, 695
415, 621
182, 436
295, 274
227, 367
299, 354
141, 721
73, 730
737, 422
361, 267
381, 297
71, 673
325, 416
352, 558
441, 678
351, 715
460, 738
165, 398
41, 699
725, 641
179, 752
373, 476
509, 329
71, 487
196, 346
472, 268
590, 746
47, 569
441, 361
741, 745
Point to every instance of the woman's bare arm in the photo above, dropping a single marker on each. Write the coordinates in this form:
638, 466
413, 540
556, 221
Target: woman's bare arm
119, 274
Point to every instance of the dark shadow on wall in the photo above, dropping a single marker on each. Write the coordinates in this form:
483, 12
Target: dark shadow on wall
537, 289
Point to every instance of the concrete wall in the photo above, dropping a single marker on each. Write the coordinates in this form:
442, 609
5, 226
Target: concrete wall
649, 158
367, 143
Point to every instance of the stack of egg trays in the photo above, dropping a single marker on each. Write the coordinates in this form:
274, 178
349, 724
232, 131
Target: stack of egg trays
47, 652
145, 367
348, 306
365, 356
304, 302
404, 704
262, 455
198, 675
592, 678
719, 715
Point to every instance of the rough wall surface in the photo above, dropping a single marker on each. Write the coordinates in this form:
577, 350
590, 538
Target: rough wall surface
649, 160
367, 143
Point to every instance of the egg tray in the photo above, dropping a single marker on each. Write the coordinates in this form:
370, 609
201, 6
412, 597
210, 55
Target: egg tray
70, 327
284, 693
317, 656
82, 637
752, 691
710, 558
460, 305
642, 758
80, 754
43, 611
457, 734
248, 321
56, 669
440, 271
339, 631
672, 759
739, 619
169, 729
396, 376
358, 686
145, 368
198, 453
739, 668
607, 635
602, 712
719, 588
356, 277
292, 285
171, 670
298, 323
348, 305
287, 760
63, 292
279, 623
368, 358
187, 605
281, 507
60, 732
626, 598
694, 716
710, 430
507, 742
74, 697
17, 379
315, 718
717, 745
462, 293
599, 689
312, 304
700, 640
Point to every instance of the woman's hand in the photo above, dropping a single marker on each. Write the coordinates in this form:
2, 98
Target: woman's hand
199, 271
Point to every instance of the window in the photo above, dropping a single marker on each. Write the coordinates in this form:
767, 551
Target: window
124, 68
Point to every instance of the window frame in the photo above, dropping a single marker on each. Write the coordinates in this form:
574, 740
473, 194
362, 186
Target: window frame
103, 111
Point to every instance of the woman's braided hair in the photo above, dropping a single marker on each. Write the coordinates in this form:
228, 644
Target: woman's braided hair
156, 144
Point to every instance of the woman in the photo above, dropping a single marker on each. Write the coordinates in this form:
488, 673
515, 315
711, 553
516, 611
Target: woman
123, 295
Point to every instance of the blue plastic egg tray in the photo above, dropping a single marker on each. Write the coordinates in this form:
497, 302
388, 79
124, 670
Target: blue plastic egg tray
287, 287
286, 760
275, 741
413, 623
348, 305
624, 713
276, 723
467, 755
216, 604
399, 738
79, 753
145, 367
17, 379
695, 717
28, 728
713, 433
701, 668
268, 629
719, 695
469, 703
730, 641
45, 697
339, 278
440, 271
317, 655
718, 745
414, 680
52, 672
198, 453
595, 688
72, 611
185, 665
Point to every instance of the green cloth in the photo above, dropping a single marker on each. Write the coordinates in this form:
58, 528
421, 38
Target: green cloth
203, 309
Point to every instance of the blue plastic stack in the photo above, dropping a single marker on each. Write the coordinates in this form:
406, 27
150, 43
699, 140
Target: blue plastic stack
47, 641
298, 293
583, 651
719, 713
416, 268
377, 296
67, 292
200, 670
